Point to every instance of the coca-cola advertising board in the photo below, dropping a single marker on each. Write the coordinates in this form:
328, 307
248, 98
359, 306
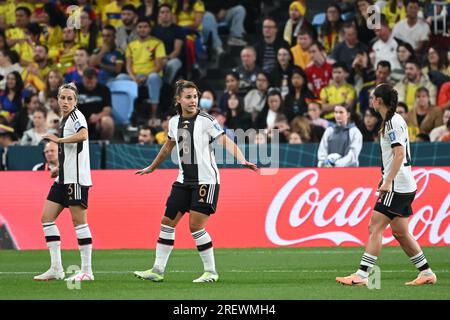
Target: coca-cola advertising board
293, 207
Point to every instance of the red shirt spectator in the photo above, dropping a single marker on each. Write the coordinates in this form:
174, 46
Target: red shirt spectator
443, 100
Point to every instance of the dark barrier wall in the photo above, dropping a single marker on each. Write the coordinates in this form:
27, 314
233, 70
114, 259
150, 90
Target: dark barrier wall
26, 157
125, 156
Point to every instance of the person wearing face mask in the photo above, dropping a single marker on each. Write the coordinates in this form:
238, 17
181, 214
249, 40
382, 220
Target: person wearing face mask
207, 100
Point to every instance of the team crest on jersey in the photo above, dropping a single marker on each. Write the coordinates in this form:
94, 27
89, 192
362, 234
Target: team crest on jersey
392, 136
77, 125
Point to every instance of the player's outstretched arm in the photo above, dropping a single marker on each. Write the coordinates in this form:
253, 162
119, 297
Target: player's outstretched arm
235, 151
163, 153
80, 136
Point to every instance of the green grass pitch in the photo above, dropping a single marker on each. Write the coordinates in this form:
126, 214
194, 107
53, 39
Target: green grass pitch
275, 274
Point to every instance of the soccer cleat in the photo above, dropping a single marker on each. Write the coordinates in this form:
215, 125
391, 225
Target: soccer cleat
50, 274
81, 276
423, 278
207, 277
149, 275
352, 280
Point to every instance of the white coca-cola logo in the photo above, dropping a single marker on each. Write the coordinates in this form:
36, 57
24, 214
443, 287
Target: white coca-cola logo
314, 207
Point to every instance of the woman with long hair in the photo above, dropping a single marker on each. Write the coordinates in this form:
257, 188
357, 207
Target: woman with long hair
397, 190
197, 187
332, 30
295, 102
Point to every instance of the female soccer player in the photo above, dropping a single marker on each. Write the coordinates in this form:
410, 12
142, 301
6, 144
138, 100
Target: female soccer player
70, 188
197, 187
396, 194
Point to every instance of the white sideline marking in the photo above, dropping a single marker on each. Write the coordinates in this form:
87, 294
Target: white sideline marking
228, 271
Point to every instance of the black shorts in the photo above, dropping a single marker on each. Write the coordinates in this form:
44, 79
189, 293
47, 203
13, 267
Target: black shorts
183, 198
394, 204
67, 195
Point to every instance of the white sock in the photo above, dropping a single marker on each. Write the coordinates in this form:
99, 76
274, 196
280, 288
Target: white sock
85, 245
421, 263
53, 239
205, 249
164, 248
367, 263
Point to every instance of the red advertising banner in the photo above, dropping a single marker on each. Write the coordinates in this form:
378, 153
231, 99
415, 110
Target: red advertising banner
294, 207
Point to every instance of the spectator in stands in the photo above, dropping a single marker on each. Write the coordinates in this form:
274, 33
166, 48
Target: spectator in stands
320, 70
88, 36
370, 125
161, 136
207, 100
255, 99
443, 100
53, 80
296, 22
405, 52
267, 48
127, 31
81, 62
441, 131
7, 65
446, 137
7, 136
395, 11
11, 98
231, 87
347, 50
424, 117
33, 136
402, 109
341, 144
23, 119
274, 107
109, 59
53, 21
33, 32
50, 159
413, 30
295, 101
148, 10
39, 68
338, 92
111, 13
94, 101
65, 53
437, 67
145, 68
236, 117
294, 138
3, 41
300, 51
283, 130
54, 113
382, 74
330, 33
17, 37
221, 118
412, 80
146, 136
314, 112
309, 132
385, 48
281, 74
365, 34
232, 13
173, 38
247, 70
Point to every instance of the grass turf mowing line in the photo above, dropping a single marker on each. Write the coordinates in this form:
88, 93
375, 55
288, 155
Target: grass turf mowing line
276, 273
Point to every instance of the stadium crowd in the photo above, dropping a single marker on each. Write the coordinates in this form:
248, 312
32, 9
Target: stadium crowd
293, 77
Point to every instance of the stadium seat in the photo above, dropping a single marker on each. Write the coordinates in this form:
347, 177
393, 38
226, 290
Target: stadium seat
123, 94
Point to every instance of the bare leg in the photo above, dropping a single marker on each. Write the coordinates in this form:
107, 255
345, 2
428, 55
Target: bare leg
377, 225
401, 233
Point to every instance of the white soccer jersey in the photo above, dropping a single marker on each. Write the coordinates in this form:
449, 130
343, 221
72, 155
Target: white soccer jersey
193, 137
396, 133
74, 164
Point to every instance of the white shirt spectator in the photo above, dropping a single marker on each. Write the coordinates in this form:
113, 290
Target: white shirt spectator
413, 35
386, 51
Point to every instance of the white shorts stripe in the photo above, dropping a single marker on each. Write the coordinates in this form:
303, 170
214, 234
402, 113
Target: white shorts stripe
210, 194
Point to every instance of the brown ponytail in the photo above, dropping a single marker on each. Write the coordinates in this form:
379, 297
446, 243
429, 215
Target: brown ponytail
390, 99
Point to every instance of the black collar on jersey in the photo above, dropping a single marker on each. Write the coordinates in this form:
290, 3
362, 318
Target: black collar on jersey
74, 109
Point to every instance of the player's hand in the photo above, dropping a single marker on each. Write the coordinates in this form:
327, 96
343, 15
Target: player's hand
54, 172
250, 165
51, 137
386, 186
144, 171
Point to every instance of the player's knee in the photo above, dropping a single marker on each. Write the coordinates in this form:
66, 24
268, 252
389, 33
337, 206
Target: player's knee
194, 226
168, 222
45, 219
